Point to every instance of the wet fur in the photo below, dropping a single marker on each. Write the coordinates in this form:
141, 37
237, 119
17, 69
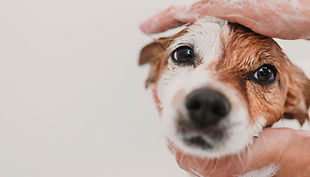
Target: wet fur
243, 52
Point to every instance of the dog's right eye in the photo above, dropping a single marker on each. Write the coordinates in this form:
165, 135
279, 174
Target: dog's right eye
183, 55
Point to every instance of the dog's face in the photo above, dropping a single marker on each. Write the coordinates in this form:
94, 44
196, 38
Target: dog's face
220, 84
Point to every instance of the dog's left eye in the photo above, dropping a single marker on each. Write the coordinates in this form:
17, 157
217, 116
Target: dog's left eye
265, 75
183, 55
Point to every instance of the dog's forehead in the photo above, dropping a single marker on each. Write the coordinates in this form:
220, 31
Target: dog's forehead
206, 37
217, 41
203, 29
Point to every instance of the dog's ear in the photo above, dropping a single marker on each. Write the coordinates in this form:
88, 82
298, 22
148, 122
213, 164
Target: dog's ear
298, 96
153, 54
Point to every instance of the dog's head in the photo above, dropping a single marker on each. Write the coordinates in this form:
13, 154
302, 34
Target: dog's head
220, 84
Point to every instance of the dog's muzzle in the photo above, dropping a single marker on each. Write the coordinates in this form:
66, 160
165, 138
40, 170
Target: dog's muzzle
205, 109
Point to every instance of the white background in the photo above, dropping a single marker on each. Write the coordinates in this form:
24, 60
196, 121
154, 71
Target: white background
72, 98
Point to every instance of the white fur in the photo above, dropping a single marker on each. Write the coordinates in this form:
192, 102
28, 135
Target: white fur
292, 123
205, 36
258, 126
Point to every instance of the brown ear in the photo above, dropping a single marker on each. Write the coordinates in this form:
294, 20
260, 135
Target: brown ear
298, 96
153, 53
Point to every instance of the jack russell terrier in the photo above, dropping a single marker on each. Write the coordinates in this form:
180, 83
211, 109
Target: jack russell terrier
218, 84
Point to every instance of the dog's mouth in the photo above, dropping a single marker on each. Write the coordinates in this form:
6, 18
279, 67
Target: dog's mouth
203, 138
197, 141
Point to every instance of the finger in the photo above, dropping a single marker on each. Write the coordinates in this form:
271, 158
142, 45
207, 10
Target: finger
266, 150
160, 22
296, 159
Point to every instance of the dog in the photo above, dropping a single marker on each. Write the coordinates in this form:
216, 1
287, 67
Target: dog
218, 84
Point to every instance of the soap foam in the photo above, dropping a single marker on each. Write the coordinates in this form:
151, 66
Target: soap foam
268, 171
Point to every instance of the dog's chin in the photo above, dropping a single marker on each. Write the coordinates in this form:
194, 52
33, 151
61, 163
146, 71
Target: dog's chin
212, 142
204, 138
201, 146
197, 142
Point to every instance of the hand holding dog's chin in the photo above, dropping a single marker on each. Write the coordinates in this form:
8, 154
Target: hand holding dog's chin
281, 19
286, 149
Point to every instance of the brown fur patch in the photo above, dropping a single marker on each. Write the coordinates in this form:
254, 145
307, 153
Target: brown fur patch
246, 51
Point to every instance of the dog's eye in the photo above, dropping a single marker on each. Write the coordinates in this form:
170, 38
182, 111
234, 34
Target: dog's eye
183, 55
265, 75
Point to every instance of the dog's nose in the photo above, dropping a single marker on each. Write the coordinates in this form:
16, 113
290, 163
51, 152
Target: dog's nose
206, 107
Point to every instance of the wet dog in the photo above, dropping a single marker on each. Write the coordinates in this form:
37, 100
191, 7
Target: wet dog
218, 84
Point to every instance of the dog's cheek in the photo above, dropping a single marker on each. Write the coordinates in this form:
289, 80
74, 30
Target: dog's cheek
265, 102
178, 97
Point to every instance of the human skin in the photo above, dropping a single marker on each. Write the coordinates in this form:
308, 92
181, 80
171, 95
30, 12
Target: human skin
281, 19
286, 148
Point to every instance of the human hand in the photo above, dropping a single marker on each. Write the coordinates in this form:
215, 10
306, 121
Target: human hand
281, 19
284, 150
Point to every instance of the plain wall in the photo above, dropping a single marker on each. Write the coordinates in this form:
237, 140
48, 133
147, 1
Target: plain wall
72, 97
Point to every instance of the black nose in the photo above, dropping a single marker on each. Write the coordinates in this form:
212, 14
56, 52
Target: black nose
206, 107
